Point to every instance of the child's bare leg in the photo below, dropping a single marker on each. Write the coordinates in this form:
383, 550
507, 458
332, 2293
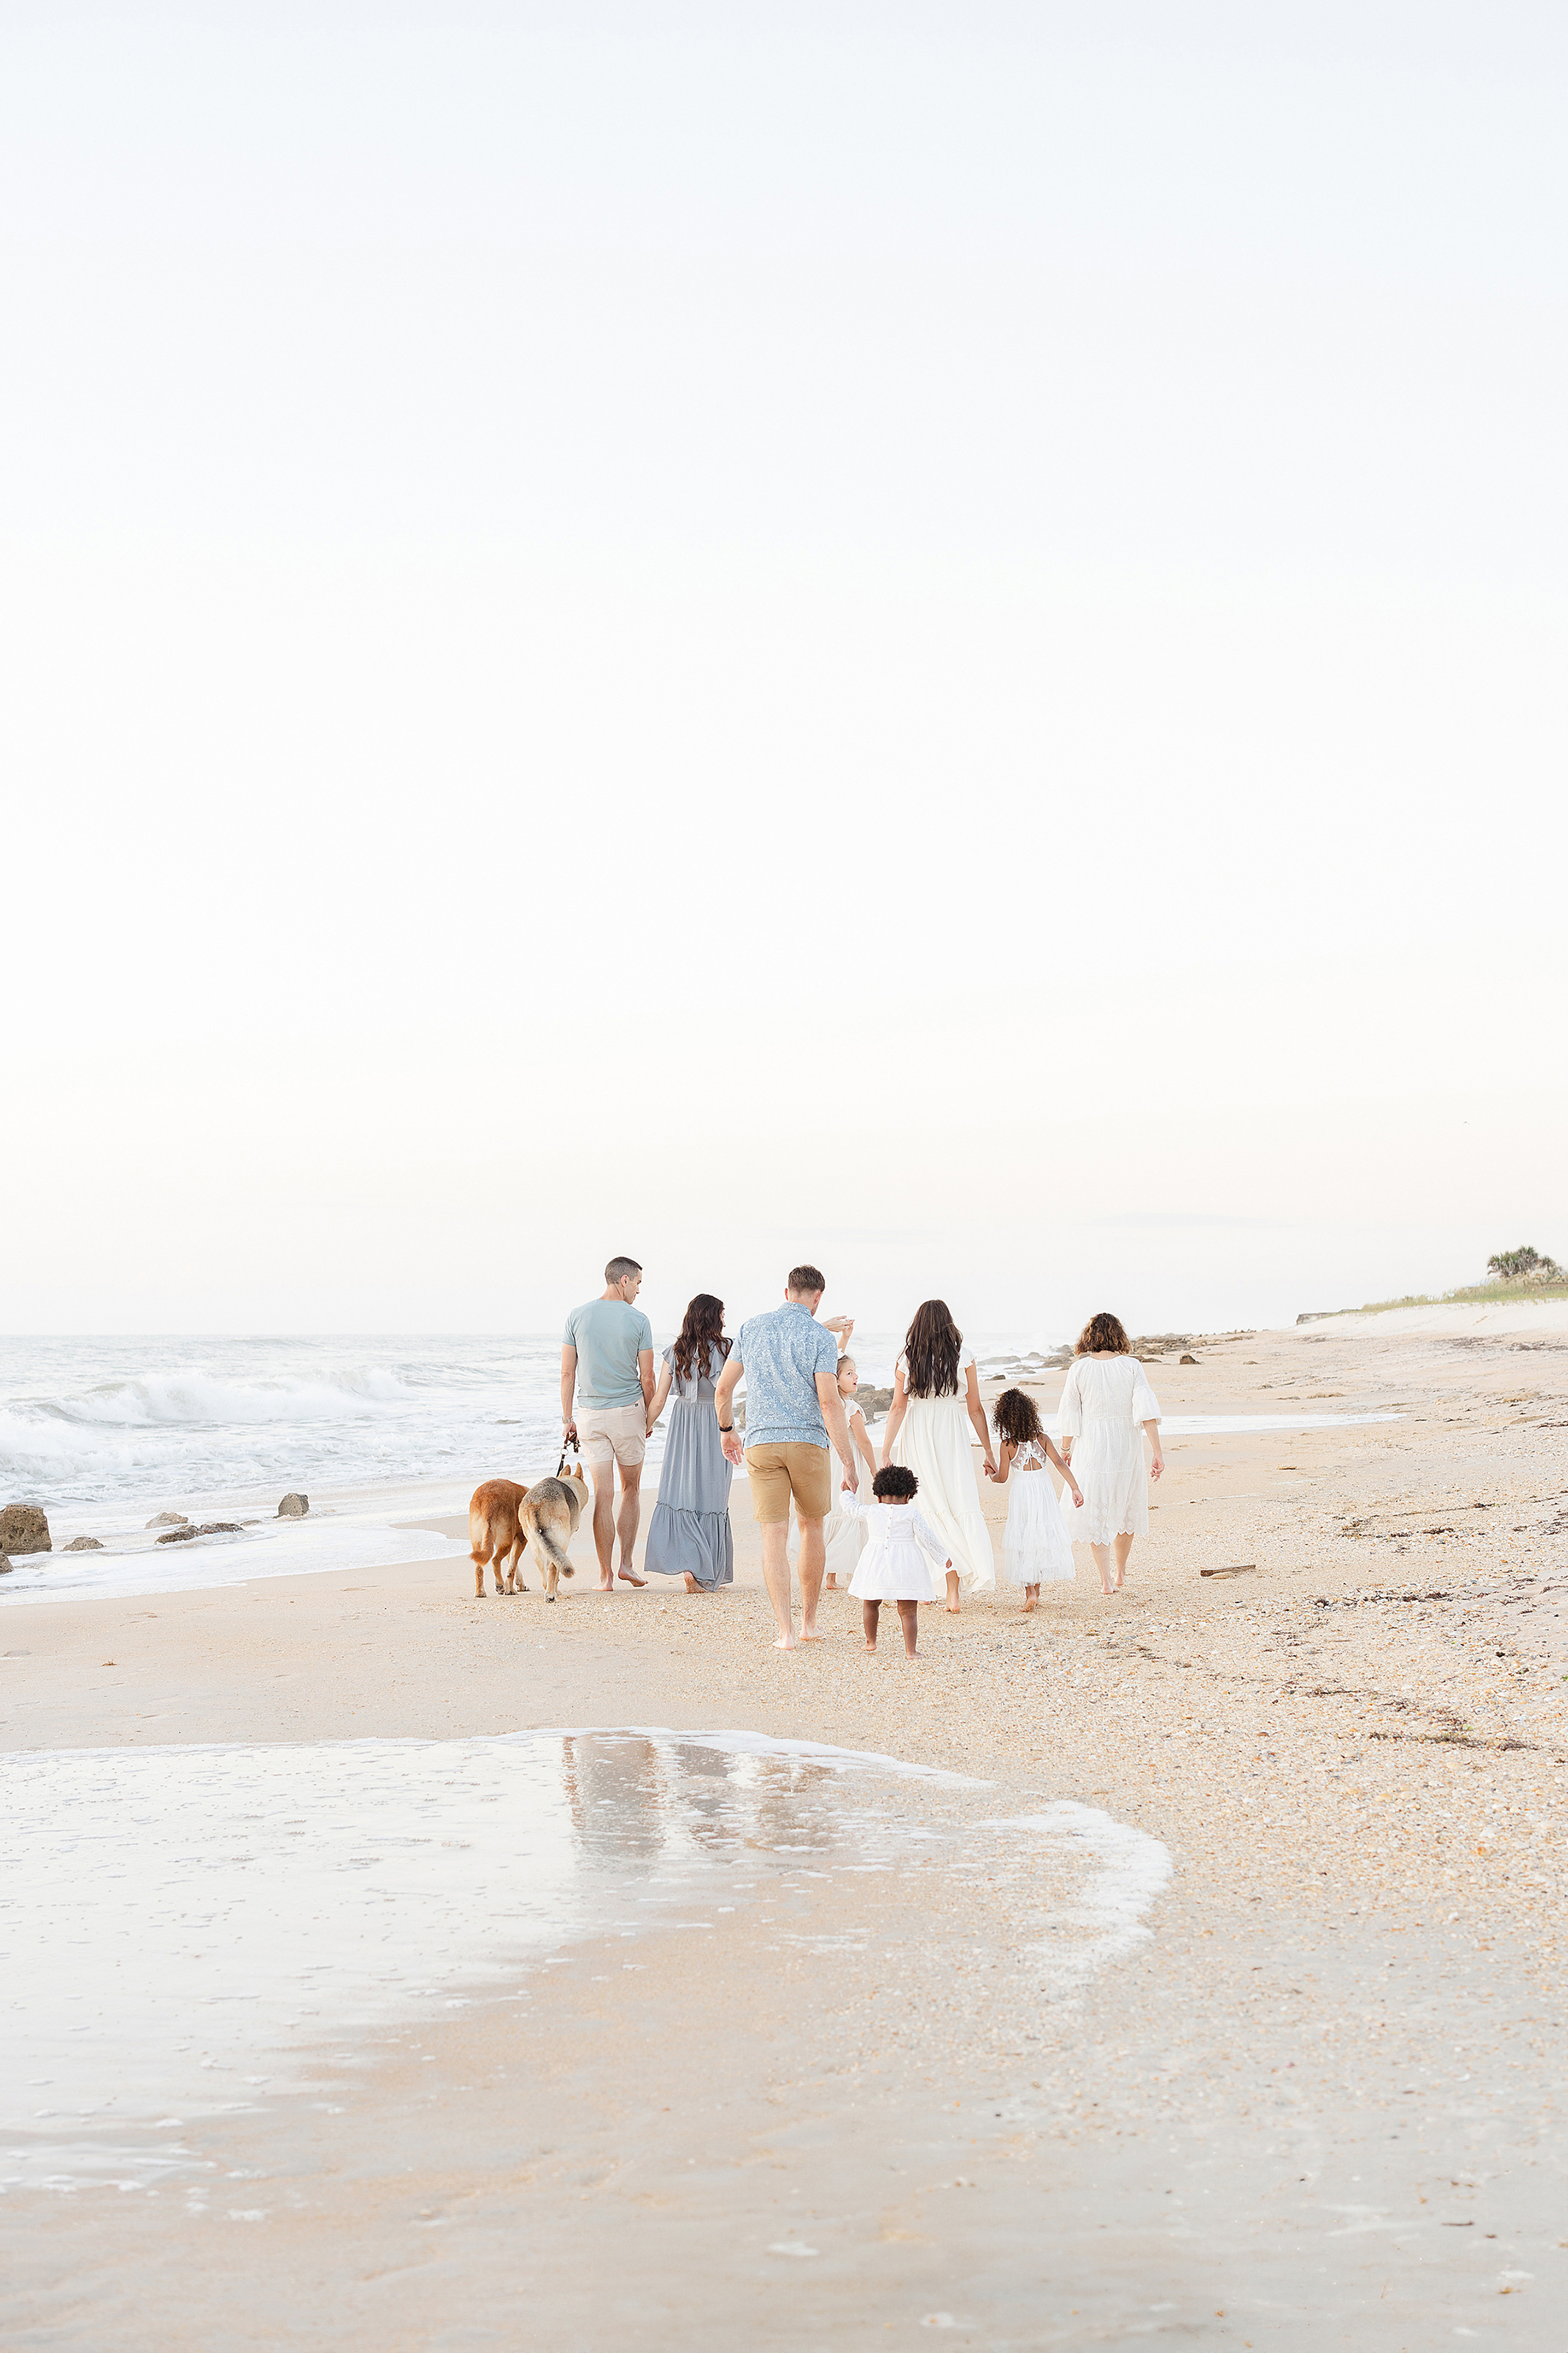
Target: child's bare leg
1123, 1546
952, 1590
830, 1583
1031, 1597
908, 1619
1101, 1554
870, 1613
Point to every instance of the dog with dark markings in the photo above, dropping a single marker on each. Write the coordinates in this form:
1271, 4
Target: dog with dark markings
548, 1522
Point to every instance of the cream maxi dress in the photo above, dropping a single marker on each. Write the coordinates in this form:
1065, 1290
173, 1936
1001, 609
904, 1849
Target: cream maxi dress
1105, 1401
934, 1442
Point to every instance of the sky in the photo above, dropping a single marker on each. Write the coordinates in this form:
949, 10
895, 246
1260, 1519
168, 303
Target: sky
929, 638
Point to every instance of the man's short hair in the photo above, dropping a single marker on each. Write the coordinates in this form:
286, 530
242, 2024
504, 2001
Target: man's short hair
619, 1267
895, 1483
806, 1278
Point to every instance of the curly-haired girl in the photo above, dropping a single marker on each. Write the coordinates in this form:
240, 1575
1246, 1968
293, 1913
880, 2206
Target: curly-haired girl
1036, 1549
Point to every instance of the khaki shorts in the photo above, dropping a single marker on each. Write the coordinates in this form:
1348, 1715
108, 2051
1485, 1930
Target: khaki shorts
609, 1433
777, 1472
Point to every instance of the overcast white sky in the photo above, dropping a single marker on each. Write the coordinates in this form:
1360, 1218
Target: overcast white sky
926, 636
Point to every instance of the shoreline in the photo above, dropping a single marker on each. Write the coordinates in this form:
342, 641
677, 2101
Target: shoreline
1334, 2045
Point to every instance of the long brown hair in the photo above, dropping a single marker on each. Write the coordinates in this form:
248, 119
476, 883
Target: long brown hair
931, 1351
1103, 1330
700, 1335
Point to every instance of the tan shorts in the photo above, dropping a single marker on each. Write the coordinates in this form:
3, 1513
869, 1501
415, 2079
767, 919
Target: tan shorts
609, 1433
777, 1472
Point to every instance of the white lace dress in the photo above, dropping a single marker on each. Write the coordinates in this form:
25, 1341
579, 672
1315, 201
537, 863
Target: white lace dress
1035, 1550
1105, 1401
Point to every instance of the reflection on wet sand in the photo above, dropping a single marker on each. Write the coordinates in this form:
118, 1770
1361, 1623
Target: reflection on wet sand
254, 1902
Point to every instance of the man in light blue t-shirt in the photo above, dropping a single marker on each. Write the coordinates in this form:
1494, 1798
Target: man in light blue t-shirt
606, 1356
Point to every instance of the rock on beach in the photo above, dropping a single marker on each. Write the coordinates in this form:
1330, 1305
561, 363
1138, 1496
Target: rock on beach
168, 1520
293, 1507
82, 1544
23, 1528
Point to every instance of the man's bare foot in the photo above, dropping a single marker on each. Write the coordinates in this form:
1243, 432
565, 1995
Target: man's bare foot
631, 1576
607, 1584
691, 1584
812, 1634
872, 1648
786, 1642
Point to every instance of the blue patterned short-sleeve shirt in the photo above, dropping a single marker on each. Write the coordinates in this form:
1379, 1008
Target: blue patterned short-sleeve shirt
782, 1353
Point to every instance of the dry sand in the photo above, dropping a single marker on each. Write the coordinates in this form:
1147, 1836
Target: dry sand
1320, 2106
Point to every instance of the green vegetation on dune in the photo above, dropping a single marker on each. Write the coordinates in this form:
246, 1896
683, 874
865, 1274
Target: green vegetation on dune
1479, 1294
1521, 1273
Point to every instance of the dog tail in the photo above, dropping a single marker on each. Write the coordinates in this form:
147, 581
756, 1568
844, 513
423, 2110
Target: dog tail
551, 1545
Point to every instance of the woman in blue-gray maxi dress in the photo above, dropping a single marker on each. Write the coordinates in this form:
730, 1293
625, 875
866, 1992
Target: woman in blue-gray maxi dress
690, 1532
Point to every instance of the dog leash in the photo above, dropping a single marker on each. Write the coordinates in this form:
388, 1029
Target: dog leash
561, 1466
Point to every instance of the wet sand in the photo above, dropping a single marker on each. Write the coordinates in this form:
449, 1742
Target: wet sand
1320, 2106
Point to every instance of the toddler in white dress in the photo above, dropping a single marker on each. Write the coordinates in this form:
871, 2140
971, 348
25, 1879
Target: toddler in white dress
1036, 1549
891, 1567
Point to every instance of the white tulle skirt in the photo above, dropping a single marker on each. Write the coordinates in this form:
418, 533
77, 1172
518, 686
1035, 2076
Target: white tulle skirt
1036, 1550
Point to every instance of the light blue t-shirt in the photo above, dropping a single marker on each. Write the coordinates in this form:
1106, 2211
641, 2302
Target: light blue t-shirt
782, 1352
608, 1336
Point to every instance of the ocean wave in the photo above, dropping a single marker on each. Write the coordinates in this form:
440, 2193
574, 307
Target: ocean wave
192, 1398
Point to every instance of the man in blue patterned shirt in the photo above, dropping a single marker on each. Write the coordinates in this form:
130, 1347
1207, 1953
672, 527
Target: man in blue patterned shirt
793, 1408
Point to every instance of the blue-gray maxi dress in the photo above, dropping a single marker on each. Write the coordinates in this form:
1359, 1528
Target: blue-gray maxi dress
690, 1525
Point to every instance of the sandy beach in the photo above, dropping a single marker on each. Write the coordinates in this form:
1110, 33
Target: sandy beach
1299, 2084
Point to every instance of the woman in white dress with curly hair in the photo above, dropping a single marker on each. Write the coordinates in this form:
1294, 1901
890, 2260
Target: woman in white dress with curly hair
1107, 1409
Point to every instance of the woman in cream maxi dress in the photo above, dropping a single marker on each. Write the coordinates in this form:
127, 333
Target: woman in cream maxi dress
935, 1437
1107, 1403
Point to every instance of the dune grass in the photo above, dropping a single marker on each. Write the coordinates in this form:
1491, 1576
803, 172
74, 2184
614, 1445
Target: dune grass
1473, 1294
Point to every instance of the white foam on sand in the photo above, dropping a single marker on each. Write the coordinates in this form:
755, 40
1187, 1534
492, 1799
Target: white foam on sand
183, 1928
1131, 1871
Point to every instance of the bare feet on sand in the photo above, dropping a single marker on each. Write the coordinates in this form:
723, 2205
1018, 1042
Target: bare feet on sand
691, 1584
871, 1647
630, 1575
1031, 1598
786, 1642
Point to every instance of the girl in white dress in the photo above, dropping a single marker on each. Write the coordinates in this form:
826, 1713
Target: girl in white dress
1036, 1548
843, 1533
1107, 1410
892, 1568
936, 1406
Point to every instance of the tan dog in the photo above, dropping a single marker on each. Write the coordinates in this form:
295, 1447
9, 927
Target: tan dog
496, 1536
548, 1520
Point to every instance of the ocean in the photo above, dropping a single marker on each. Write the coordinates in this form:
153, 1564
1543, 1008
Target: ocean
106, 1433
